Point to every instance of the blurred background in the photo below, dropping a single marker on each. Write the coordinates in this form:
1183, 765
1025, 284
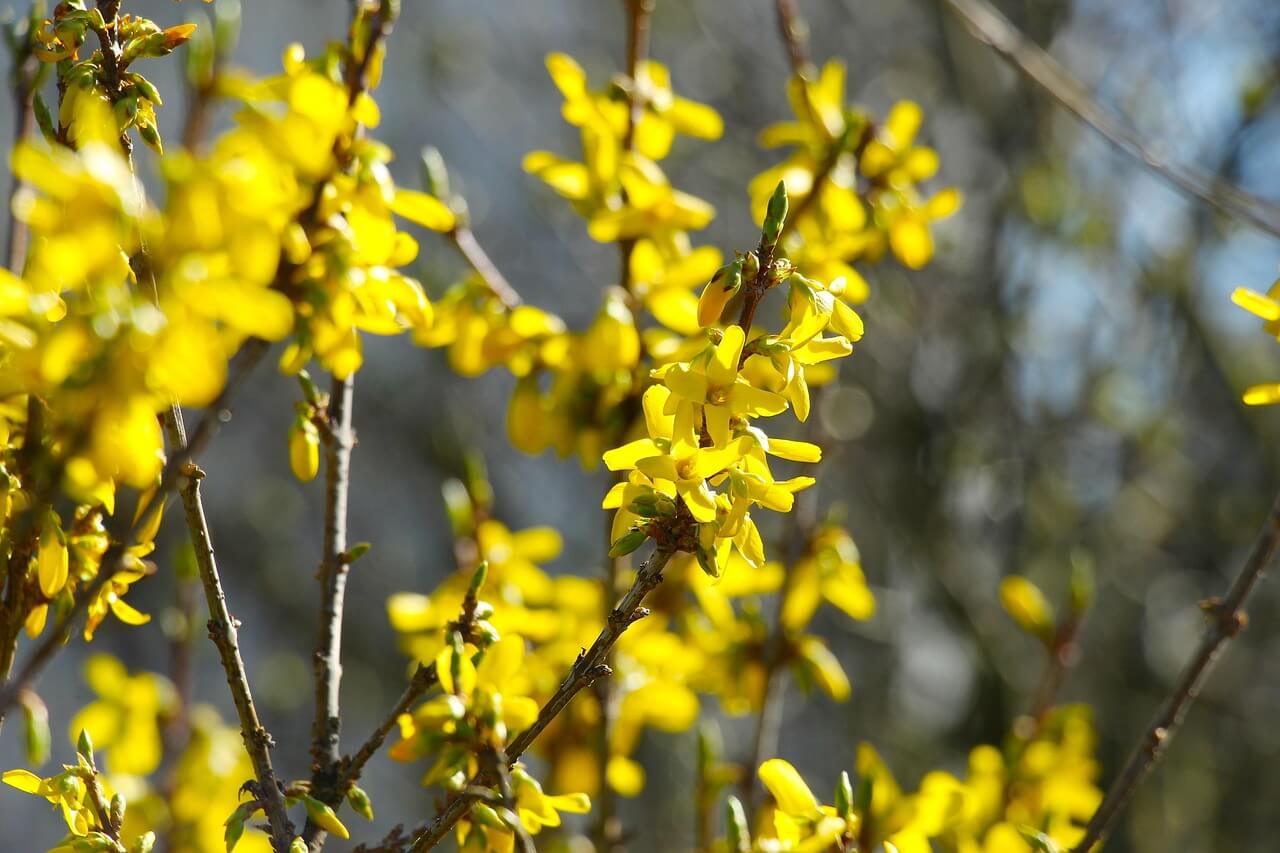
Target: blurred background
1060, 385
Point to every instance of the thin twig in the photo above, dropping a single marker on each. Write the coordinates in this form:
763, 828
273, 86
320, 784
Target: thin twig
222, 631
1227, 620
589, 666
795, 37
997, 32
424, 678
465, 241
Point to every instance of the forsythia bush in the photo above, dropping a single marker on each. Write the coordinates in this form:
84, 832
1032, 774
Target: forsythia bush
528, 693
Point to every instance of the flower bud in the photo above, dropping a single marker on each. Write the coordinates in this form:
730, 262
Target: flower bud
736, 823
775, 215
716, 295
360, 802
628, 543
304, 450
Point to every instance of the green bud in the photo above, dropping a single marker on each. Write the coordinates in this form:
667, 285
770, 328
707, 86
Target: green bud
477, 474
750, 266
143, 843
357, 551
666, 506
44, 118
707, 560
435, 176
1082, 584
126, 110
84, 746
710, 746
457, 503
736, 823
486, 634
1039, 842
226, 26
477, 580
147, 90
360, 802
775, 215
486, 816
151, 137
35, 732
628, 543
117, 810
862, 799
844, 796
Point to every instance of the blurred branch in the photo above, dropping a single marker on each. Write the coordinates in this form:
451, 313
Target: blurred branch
465, 241
222, 631
795, 37
25, 76
1227, 619
994, 30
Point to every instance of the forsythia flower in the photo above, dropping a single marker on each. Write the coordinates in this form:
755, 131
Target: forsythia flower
857, 180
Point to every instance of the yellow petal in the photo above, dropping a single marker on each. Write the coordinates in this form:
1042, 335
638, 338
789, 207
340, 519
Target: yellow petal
788, 789
427, 211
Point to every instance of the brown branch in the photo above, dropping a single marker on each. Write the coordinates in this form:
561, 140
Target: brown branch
222, 631
1227, 620
325, 746
424, 678
994, 30
795, 37
465, 241
589, 666
26, 73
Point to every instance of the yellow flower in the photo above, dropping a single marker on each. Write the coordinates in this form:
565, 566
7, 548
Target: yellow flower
829, 571
709, 392
123, 720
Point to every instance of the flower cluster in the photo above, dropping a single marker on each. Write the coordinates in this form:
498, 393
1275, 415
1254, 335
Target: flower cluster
122, 737
577, 391
1033, 795
856, 181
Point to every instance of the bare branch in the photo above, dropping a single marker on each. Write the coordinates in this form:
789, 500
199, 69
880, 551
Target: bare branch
1227, 619
994, 30
222, 631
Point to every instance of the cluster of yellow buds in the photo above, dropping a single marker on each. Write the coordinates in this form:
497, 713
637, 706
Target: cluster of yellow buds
855, 181
1033, 796
104, 77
